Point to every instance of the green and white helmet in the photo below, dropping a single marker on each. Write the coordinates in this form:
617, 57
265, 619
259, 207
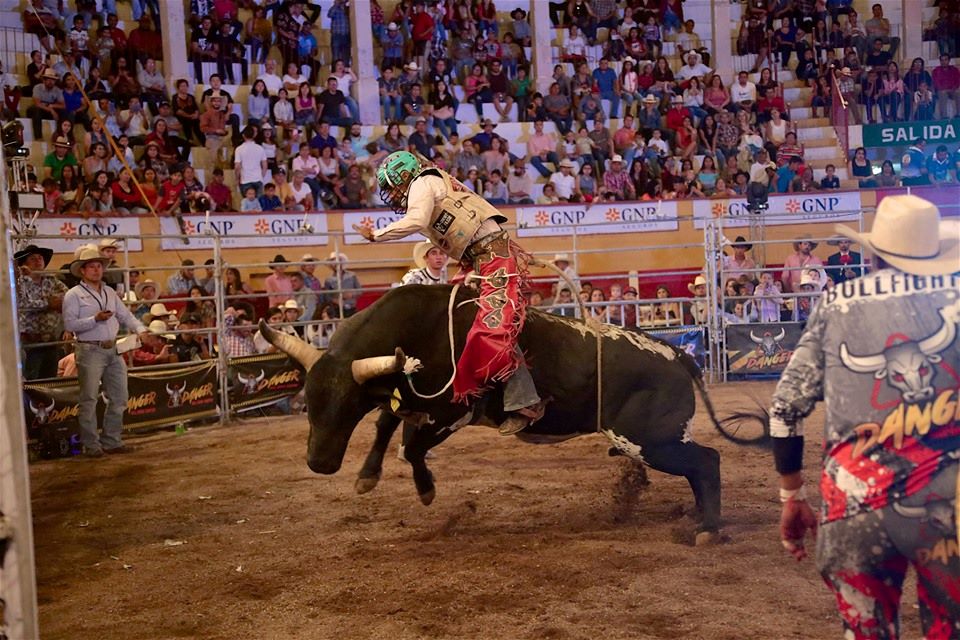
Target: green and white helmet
394, 176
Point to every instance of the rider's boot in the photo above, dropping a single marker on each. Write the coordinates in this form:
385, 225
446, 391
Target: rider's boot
519, 420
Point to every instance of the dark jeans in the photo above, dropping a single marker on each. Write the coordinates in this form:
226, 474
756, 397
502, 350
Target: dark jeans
40, 362
191, 128
37, 115
478, 98
225, 69
537, 163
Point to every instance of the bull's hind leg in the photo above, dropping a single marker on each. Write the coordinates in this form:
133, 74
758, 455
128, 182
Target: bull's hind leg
372, 467
700, 466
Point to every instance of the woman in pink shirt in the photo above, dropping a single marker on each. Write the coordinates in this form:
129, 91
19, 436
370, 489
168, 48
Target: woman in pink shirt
715, 96
279, 284
892, 93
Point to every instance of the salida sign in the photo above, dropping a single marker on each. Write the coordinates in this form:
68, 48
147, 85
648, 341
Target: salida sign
903, 134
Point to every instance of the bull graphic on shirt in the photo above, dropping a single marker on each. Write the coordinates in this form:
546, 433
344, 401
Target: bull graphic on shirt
907, 365
250, 383
176, 395
42, 413
768, 344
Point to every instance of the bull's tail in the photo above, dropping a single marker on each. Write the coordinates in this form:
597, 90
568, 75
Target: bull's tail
730, 426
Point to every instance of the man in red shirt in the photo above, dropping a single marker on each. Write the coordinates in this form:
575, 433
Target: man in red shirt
676, 114
946, 87
119, 37
144, 42
421, 32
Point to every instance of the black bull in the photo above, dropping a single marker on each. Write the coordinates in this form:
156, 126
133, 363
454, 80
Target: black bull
647, 389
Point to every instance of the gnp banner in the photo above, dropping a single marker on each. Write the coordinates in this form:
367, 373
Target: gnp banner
903, 134
761, 348
155, 397
252, 229
793, 208
72, 232
595, 219
690, 340
374, 219
259, 380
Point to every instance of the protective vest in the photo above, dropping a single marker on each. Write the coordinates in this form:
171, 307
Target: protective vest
458, 216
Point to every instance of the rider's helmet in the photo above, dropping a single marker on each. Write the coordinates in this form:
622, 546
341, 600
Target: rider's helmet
394, 176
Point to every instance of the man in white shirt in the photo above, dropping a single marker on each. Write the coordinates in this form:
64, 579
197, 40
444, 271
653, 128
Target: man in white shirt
693, 69
250, 163
564, 180
270, 78
743, 93
574, 47
302, 195
133, 122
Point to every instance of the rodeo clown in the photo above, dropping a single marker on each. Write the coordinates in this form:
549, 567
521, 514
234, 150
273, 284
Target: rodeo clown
467, 228
882, 351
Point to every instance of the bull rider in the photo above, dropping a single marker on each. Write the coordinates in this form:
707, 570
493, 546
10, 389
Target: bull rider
467, 228
882, 351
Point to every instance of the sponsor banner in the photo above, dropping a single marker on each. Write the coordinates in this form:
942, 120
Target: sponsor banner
690, 340
903, 134
595, 219
761, 348
947, 198
373, 219
246, 230
72, 232
263, 379
156, 397
793, 208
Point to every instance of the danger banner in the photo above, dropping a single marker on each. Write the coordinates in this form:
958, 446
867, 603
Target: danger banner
690, 340
63, 235
156, 397
829, 206
254, 229
256, 381
761, 348
603, 218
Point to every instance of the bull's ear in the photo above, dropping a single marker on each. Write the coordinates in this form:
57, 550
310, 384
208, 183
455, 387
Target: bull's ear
880, 374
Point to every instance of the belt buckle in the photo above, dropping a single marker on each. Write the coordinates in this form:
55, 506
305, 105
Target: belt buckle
108, 344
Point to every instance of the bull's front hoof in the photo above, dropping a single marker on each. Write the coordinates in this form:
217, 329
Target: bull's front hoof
366, 485
707, 539
427, 498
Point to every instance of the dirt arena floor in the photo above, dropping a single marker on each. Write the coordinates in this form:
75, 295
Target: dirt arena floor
225, 533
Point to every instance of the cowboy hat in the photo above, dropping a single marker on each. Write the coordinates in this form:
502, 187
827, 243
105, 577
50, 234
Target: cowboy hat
649, 99
32, 249
143, 284
159, 328
307, 257
909, 235
699, 280
392, 26
816, 278
337, 257
291, 304
569, 164
420, 251
109, 242
616, 158
412, 66
523, 14
89, 254
804, 237
61, 142
742, 242
50, 74
80, 249
158, 309
561, 257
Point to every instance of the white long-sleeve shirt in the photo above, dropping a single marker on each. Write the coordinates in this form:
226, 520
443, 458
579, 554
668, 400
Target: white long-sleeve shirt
424, 195
83, 302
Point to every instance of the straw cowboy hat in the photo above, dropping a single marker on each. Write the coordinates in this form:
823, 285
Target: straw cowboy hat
143, 284
805, 237
337, 257
109, 242
291, 304
159, 328
420, 251
30, 250
158, 310
909, 235
649, 99
699, 280
49, 73
561, 257
89, 254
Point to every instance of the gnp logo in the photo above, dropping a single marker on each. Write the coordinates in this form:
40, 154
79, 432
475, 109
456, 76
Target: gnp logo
559, 217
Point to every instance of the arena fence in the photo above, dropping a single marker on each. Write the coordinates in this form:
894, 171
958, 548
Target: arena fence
724, 342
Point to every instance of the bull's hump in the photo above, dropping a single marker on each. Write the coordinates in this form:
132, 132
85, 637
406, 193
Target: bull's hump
639, 340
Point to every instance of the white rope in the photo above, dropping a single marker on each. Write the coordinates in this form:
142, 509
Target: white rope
453, 358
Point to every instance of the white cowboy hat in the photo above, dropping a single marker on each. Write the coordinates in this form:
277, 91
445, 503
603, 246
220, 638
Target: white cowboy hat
699, 280
420, 251
566, 162
109, 242
291, 304
616, 158
649, 99
87, 254
81, 248
561, 257
816, 278
159, 328
909, 235
158, 309
392, 26
337, 257
143, 284
307, 257
412, 66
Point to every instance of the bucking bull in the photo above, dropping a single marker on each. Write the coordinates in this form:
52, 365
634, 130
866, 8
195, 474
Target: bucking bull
647, 389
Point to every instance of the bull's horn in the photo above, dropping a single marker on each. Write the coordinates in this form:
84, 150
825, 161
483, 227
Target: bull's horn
242, 378
169, 390
941, 339
755, 338
261, 376
910, 512
293, 347
780, 335
33, 407
368, 368
861, 364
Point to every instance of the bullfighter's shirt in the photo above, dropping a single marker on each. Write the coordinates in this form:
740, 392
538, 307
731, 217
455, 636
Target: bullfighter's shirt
883, 351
